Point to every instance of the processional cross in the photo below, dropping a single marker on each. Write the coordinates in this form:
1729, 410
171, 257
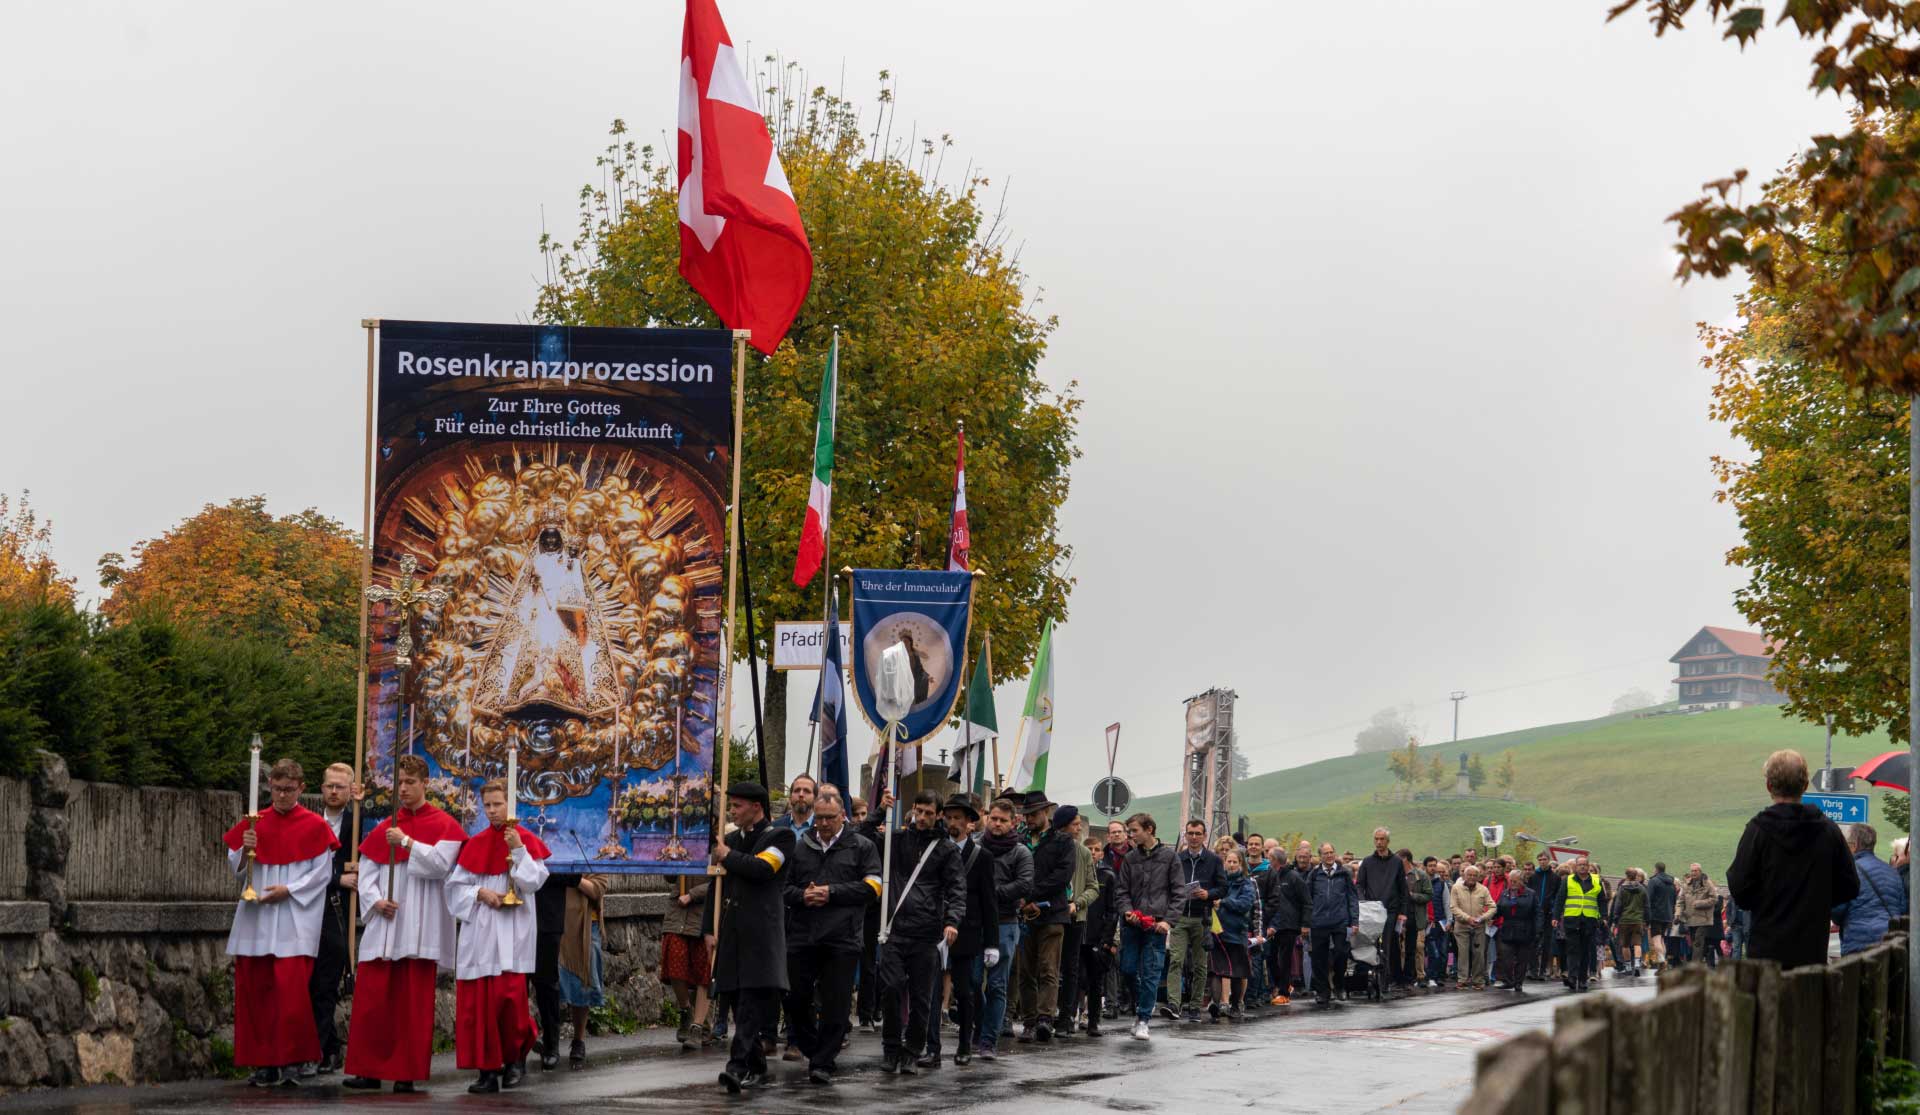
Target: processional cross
406, 594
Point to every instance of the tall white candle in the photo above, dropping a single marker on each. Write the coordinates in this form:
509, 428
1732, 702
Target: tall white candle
253, 777
513, 783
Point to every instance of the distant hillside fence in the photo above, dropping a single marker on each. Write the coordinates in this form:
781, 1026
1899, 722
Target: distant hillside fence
1742, 1039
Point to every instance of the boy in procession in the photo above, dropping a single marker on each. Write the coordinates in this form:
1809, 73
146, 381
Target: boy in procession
274, 939
493, 1027
409, 936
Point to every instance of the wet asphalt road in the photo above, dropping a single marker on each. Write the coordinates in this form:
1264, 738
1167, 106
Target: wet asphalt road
1410, 1057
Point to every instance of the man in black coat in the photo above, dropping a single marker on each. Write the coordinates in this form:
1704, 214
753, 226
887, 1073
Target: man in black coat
1284, 907
750, 961
1382, 877
1542, 886
834, 877
1046, 914
1791, 869
1662, 895
928, 900
337, 791
979, 932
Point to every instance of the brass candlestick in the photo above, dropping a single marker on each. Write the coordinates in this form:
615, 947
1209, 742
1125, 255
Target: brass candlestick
249, 894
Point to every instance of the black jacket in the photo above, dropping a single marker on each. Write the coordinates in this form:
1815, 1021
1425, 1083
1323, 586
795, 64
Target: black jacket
753, 928
939, 895
1012, 879
550, 903
1519, 916
980, 929
1201, 869
333, 914
1791, 869
1054, 859
1541, 884
851, 871
1384, 879
1103, 916
1661, 896
1284, 903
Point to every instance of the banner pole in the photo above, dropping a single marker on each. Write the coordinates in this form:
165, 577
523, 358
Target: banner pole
826, 588
723, 745
753, 660
372, 327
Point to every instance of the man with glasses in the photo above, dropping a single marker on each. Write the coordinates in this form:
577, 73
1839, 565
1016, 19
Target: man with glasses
275, 938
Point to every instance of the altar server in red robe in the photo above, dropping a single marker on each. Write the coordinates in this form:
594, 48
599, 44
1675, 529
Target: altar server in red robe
493, 1029
409, 936
274, 939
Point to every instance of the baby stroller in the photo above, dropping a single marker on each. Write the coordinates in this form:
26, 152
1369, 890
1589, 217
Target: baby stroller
1369, 976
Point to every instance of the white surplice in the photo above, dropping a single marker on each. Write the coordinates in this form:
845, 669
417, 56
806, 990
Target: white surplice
495, 941
421, 927
289, 928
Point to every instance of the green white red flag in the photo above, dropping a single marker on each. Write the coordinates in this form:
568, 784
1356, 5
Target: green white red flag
1036, 720
813, 533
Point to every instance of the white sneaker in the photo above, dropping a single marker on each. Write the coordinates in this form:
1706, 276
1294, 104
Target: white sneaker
1140, 1031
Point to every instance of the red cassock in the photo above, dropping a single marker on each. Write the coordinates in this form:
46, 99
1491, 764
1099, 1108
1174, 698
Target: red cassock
391, 1033
492, 1024
272, 964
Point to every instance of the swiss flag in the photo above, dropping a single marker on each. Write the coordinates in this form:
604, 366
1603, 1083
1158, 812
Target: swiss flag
741, 242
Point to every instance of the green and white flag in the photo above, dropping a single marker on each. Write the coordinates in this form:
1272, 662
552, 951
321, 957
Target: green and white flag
1036, 720
979, 726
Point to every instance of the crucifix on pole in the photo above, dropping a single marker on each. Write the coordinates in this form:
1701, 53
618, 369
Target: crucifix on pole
407, 596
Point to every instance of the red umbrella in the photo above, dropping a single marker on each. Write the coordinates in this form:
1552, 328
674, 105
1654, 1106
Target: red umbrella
1893, 769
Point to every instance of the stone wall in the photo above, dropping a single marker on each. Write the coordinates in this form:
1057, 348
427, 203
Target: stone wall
115, 902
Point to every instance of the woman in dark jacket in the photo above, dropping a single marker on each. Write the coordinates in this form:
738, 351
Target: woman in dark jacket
1518, 910
1097, 944
1229, 961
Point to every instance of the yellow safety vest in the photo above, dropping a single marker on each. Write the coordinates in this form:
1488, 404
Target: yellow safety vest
1583, 905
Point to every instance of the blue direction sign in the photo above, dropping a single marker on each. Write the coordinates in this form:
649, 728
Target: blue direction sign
1841, 809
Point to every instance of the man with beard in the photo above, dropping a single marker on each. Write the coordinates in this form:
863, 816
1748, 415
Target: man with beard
1012, 883
834, 877
927, 901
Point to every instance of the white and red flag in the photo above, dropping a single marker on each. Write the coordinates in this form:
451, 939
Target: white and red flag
741, 242
960, 543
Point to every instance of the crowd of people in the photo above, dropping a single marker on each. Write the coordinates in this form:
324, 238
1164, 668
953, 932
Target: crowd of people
1010, 920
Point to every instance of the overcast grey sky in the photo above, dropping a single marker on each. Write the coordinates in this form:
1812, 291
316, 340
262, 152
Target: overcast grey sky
1388, 389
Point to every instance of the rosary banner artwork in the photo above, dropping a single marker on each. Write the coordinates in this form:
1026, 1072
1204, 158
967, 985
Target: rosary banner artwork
925, 612
565, 490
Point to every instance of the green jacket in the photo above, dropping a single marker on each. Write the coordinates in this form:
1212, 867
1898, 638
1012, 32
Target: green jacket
1086, 884
1419, 893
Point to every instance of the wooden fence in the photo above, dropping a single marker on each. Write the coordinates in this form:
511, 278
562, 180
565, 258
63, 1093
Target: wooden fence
1742, 1039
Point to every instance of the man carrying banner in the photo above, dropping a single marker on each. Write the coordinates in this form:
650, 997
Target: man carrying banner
493, 1027
273, 940
929, 902
409, 936
834, 877
750, 962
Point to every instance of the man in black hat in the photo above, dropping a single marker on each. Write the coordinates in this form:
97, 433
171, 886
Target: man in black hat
928, 901
1046, 914
834, 877
978, 945
750, 962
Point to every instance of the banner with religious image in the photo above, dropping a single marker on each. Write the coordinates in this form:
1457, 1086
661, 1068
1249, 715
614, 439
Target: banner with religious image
561, 493
926, 612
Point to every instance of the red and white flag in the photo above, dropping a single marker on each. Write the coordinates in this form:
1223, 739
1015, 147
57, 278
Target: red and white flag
741, 242
959, 542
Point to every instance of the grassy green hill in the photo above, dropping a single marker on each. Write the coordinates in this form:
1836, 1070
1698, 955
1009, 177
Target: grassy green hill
1673, 788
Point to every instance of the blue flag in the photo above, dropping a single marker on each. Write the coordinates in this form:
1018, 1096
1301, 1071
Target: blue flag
830, 709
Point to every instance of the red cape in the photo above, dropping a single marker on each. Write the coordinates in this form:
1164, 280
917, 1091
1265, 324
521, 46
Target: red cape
486, 851
291, 837
429, 825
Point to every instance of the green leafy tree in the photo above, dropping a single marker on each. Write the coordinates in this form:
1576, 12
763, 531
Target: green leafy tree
937, 326
1437, 773
1821, 498
1503, 773
1476, 773
1899, 810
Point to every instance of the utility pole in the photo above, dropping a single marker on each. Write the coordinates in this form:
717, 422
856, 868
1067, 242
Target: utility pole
1456, 697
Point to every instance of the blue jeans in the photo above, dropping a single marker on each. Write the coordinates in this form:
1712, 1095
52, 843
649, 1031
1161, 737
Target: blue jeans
1143, 955
993, 1012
